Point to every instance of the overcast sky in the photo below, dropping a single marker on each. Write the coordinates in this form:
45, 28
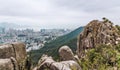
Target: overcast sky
58, 13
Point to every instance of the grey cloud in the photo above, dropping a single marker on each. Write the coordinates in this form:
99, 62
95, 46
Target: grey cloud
51, 13
88, 5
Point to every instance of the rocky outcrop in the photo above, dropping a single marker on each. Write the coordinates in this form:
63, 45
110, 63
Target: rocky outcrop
97, 32
68, 61
7, 51
66, 53
13, 56
16, 50
20, 51
8, 64
48, 63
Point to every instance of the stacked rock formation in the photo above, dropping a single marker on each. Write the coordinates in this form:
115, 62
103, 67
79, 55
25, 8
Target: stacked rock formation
66, 53
12, 56
97, 32
68, 63
48, 63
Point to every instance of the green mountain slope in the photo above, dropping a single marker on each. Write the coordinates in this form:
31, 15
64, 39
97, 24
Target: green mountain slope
52, 47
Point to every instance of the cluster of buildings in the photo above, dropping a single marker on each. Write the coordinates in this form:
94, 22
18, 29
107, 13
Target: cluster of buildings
33, 39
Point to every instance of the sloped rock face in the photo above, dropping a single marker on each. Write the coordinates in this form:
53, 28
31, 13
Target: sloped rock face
20, 51
13, 55
66, 53
97, 32
16, 50
8, 64
7, 51
49, 63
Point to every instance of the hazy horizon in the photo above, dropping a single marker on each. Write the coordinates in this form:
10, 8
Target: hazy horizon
60, 14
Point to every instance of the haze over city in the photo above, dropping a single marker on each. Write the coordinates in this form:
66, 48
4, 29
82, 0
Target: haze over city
57, 13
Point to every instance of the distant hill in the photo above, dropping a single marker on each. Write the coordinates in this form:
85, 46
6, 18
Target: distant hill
52, 47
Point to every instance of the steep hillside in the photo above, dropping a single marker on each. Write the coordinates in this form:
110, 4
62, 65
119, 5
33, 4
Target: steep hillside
52, 47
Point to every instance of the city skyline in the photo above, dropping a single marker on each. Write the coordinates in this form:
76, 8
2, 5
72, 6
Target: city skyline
57, 13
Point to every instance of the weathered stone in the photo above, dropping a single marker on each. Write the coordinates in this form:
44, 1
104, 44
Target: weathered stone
66, 53
20, 54
96, 32
8, 64
73, 65
15, 50
49, 63
20, 51
15, 64
7, 51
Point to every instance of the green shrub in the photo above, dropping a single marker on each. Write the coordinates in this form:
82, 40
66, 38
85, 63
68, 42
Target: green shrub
102, 57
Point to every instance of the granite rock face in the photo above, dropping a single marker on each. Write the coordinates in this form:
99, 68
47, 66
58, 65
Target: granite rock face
6, 64
20, 51
48, 63
7, 51
97, 32
68, 61
16, 50
13, 56
66, 53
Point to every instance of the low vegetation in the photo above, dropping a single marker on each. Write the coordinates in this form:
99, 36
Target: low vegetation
103, 57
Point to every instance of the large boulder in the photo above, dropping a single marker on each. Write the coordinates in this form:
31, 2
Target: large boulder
48, 63
66, 53
16, 50
7, 51
20, 51
97, 32
8, 64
